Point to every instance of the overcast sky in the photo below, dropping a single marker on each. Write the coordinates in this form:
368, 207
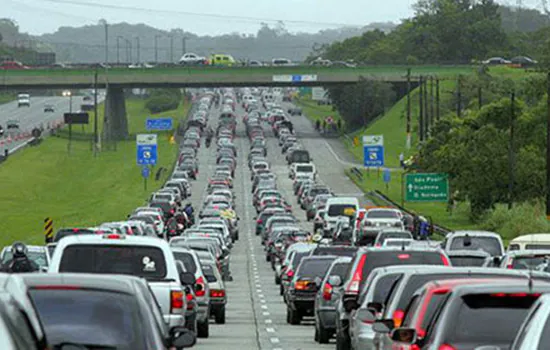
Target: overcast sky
210, 16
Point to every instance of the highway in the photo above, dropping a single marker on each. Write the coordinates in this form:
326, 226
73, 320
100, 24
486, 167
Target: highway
33, 116
256, 313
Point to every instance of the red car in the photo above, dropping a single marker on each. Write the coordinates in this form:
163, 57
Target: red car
13, 65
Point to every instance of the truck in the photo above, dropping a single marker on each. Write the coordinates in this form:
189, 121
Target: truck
23, 99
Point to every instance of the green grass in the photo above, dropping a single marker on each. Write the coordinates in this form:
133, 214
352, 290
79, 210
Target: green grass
316, 112
6, 97
77, 189
437, 211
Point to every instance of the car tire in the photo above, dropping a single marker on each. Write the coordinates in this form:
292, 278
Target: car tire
316, 336
220, 316
203, 329
342, 341
323, 334
277, 280
294, 316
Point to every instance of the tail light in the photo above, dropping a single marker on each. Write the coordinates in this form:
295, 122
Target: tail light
200, 287
290, 273
189, 298
353, 288
378, 245
172, 211
398, 318
445, 260
510, 264
259, 221
327, 291
217, 293
128, 231
301, 285
113, 236
446, 347
176, 301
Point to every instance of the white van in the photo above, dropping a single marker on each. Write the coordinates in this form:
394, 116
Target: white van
530, 242
337, 207
298, 169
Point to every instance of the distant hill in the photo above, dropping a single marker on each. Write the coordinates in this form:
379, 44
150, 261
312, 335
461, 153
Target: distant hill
86, 44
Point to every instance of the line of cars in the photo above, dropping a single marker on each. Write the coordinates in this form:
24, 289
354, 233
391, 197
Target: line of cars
369, 283
148, 282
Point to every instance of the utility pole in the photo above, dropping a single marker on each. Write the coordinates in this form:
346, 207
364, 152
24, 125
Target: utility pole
511, 153
106, 42
421, 110
437, 98
95, 112
458, 97
128, 51
426, 110
171, 48
548, 146
118, 49
138, 50
156, 49
432, 119
479, 97
408, 143
183, 45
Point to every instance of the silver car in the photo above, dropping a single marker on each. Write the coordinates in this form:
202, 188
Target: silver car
533, 333
218, 297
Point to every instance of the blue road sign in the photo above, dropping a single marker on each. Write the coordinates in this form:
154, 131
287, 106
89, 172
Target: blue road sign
147, 154
159, 124
373, 156
387, 175
296, 78
145, 171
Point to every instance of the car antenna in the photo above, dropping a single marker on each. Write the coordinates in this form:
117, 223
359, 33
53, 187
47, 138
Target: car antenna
402, 245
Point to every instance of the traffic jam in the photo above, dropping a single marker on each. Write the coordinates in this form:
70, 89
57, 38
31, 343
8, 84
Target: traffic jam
355, 275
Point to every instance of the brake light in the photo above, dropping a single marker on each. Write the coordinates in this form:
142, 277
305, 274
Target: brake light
510, 264
75, 230
446, 347
301, 285
398, 318
128, 231
445, 260
176, 301
515, 295
290, 273
327, 291
172, 211
113, 236
189, 298
357, 276
217, 293
403, 256
200, 288
56, 287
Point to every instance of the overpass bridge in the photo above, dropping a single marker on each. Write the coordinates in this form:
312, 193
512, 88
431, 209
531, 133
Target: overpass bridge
115, 80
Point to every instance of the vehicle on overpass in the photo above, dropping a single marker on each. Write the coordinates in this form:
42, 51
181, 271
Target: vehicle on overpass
222, 60
191, 59
12, 65
23, 100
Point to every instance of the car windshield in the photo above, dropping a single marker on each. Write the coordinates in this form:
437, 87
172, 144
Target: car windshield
108, 319
142, 261
490, 245
488, 319
39, 257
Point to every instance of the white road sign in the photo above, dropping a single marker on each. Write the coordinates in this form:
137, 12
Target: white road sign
146, 139
373, 140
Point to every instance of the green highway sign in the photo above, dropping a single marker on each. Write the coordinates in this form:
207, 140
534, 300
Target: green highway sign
426, 187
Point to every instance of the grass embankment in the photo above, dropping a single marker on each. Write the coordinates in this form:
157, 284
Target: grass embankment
77, 189
6, 97
315, 112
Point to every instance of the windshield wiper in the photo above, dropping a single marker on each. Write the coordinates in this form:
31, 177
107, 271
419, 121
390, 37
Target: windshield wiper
74, 346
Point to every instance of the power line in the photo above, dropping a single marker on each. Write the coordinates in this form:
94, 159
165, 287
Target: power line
198, 14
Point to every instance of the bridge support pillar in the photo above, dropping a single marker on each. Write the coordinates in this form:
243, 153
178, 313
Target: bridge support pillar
115, 121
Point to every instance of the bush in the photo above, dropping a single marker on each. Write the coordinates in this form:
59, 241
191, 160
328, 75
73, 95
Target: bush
523, 218
157, 104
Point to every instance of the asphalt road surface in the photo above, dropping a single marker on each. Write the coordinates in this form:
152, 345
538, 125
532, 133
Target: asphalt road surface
255, 312
34, 116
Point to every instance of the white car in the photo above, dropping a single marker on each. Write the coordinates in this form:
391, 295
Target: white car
190, 58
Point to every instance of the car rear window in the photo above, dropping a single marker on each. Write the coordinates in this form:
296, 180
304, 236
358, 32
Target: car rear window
528, 262
143, 261
467, 261
384, 286
339, 209
488, 244
297, 258
382, 214
115, 316
208, 272
398, 257
435, 302
304, 169
336, 251
187, 260
340, 269
312, 268
394, 234
300, 157
39, 257
488, 319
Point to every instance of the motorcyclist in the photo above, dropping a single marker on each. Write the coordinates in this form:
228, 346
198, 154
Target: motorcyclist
189, 211
20, 262
172, 228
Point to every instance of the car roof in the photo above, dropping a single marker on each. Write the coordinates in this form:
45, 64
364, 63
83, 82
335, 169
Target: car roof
528, 252
115, 283
471, 253
472, 233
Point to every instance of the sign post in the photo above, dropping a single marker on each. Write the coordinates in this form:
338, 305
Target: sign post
159, 124
48, 230
432, 187
373, 151
145, 172
147, 153
387, 178
74, 118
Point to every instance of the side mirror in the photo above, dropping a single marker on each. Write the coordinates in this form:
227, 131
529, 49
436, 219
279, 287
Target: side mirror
404, 335
187, 278
382, 326
255, 218
497, 260
375, 306
334, 281
181, 337
43, 269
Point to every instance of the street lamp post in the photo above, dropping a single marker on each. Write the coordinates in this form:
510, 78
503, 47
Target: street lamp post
128, 51
118, 49
171, 48
137, 49
157, 48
